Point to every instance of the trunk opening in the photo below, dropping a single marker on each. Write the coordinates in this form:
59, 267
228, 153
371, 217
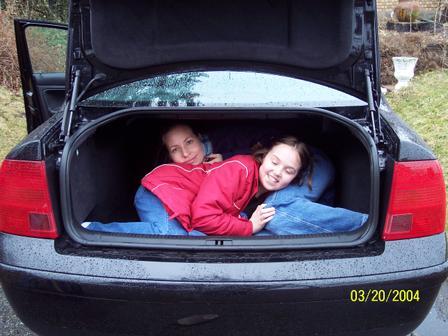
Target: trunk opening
104, 162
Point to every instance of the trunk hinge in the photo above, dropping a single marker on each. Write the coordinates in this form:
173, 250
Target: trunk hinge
69, 107
373, 113
71, 101
375, 120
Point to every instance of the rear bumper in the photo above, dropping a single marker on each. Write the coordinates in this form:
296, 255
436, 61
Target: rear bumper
53, 303
75, 292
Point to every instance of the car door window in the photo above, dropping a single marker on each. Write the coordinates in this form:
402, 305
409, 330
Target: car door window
47, 48
41, 51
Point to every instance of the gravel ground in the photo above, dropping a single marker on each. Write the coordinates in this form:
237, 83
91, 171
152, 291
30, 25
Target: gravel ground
10, 324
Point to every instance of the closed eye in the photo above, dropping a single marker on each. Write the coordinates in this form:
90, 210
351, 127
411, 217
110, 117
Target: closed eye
290, 171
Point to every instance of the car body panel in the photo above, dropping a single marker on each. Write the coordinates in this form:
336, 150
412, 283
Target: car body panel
121, 296
398, 256
36, 145
93, 305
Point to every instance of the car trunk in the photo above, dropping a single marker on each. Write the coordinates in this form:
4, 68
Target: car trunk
105, 160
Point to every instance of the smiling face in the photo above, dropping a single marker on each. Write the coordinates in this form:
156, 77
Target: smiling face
279, 167
183, 145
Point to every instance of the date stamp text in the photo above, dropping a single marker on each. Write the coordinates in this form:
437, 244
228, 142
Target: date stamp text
384, 296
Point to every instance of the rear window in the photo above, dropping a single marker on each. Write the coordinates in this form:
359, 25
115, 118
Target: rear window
223, 89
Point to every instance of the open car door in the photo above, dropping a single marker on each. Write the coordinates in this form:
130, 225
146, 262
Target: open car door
41, 49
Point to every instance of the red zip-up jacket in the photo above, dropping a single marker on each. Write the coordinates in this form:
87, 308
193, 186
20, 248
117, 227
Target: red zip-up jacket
207, 197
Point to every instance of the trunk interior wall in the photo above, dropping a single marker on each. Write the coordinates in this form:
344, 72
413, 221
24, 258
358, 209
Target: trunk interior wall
107, 169
349, 156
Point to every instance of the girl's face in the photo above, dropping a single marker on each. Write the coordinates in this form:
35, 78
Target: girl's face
280, 166
184, 146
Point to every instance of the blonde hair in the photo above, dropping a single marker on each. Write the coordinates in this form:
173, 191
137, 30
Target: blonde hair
306, 159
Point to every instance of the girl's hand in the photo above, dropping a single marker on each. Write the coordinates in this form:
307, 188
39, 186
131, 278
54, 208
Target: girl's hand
260, 217
212, 158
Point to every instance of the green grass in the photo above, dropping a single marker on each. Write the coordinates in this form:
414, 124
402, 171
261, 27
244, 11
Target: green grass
424, 106
12, 121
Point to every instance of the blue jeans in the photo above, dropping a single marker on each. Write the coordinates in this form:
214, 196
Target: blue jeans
295, 215
296, 211
153, 216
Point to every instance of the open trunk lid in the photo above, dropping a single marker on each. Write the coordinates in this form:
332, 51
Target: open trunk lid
328, 42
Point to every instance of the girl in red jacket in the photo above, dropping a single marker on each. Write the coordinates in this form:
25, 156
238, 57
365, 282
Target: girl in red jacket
209, 198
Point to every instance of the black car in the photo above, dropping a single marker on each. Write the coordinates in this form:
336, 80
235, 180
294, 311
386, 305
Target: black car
308, 68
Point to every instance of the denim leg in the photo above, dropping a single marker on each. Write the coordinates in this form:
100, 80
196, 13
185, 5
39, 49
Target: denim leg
148, 206
124, 227
305, 217
153, 216
150, 209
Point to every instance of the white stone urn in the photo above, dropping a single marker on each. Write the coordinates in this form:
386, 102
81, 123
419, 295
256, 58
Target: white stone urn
404, 70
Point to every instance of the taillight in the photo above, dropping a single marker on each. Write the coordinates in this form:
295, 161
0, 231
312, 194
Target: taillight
25, 206
417, 204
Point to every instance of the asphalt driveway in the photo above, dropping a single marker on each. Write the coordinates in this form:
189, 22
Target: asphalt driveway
10, 324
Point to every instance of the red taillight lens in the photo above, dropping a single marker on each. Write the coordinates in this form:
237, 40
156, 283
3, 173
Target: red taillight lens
25, 206
417, 204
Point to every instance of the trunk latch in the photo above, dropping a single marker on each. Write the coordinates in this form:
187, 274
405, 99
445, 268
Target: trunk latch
219, 242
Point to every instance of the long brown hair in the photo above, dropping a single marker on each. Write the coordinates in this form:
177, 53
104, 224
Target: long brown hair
306, 158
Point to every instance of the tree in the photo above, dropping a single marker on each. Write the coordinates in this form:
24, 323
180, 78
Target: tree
49, 10
165, 90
